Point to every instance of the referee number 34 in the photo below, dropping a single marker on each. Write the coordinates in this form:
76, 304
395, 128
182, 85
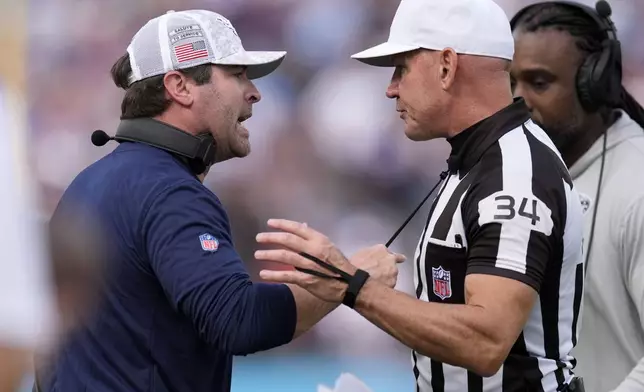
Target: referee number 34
525, 211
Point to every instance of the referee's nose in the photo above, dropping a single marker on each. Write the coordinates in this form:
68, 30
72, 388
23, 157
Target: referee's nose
392, 89
518, 91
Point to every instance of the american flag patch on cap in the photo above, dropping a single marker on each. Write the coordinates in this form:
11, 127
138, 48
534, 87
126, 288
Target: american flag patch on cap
191, 51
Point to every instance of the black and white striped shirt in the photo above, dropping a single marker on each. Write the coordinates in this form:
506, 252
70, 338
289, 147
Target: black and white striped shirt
507, 208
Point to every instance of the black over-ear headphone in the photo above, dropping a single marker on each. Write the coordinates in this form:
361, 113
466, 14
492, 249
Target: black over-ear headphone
197, 151
599, 78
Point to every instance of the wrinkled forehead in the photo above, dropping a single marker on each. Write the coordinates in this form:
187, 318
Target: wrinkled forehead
548, 49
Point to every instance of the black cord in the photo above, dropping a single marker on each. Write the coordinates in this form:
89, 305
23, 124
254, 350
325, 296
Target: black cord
343, 275
596, 203
443, 175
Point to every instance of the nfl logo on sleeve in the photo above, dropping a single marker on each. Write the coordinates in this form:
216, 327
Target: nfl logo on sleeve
208, 242
442, 283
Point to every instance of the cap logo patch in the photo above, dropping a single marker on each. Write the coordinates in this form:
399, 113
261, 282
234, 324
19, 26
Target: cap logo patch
184, 32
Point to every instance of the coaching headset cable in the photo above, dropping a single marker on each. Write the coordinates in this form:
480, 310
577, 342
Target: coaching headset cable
357, 281
596, 204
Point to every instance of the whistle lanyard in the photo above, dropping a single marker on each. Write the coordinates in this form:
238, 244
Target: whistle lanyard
343, 276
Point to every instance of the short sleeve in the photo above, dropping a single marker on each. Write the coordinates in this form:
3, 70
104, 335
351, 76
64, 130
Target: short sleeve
509, 216
188, 242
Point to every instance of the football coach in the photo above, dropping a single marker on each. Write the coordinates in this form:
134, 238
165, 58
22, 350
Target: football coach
499, 267
177, 302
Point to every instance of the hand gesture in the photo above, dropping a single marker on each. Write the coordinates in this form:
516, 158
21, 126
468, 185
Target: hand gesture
380, 263
298, 237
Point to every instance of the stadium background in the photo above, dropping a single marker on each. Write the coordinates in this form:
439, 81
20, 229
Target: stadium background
328, 147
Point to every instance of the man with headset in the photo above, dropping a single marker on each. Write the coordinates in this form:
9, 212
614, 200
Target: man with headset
178, 302
567, 67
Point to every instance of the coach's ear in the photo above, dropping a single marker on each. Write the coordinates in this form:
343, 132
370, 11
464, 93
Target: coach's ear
178, 88
447, 64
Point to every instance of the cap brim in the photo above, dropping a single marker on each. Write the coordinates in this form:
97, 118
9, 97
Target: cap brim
383, 54
259, 64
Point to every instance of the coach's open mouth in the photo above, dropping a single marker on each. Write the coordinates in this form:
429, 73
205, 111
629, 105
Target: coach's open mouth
243, 118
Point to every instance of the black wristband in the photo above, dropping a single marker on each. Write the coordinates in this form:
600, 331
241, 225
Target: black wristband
355, 284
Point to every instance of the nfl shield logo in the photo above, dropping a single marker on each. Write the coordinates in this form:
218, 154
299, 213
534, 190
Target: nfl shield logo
208, 242
442, 283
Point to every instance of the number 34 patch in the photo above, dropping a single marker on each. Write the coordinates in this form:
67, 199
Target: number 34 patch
525, 210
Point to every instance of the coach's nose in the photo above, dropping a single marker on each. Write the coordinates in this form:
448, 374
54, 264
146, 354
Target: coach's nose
253, 95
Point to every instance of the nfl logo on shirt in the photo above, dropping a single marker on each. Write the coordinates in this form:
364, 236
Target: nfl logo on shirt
442, 283
208, 242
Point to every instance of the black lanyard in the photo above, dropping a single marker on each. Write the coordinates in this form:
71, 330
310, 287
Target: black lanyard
343, 275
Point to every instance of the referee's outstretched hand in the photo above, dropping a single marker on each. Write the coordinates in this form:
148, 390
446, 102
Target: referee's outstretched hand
296, 237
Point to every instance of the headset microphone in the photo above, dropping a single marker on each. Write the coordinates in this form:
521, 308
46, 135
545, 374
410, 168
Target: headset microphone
603, 9
198, 151
100, 138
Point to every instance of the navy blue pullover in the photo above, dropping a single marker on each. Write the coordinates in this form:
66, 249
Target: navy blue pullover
178, 303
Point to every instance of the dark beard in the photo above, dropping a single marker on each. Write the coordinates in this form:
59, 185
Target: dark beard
563, 136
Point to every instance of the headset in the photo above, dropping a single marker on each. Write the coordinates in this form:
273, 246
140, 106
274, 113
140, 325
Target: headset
198, 152
599, 78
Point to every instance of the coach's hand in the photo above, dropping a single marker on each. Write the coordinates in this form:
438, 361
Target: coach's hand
298, 237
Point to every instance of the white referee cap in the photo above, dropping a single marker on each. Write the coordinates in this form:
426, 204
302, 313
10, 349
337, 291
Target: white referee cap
475, 27
184, 39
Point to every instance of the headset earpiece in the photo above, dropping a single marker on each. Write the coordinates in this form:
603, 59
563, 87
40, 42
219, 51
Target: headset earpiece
588, 80
599, 78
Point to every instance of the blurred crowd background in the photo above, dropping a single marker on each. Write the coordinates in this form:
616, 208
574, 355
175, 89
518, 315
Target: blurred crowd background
328, 147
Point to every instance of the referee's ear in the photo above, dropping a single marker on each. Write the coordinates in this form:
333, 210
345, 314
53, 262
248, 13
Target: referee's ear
447, 64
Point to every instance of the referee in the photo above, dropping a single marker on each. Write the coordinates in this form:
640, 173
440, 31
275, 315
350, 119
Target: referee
499, 267
177, 302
